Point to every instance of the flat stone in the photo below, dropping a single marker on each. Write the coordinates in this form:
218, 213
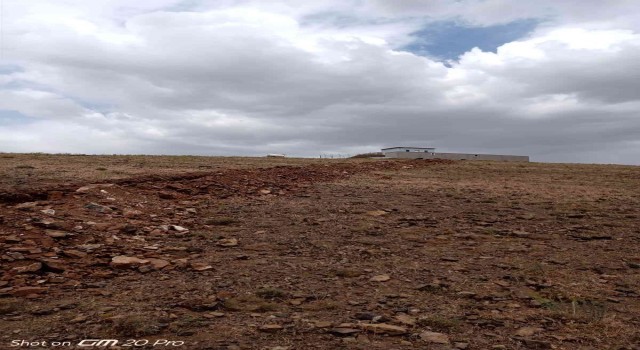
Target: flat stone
380, 278
88, 188
31, 268
528, 331
270, 328
12, 239
26, 205
98, 208
383, 328
227, 242
124, 262
200, 266
344, 331
158, 263
131, 213
178, 228
434, 337
54, 265
74, 253
56, 234
405, 319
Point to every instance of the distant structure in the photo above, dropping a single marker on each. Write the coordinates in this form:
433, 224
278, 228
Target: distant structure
275, 155
390, 150
430, 153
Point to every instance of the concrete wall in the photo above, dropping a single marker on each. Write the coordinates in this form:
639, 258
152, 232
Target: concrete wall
457, 156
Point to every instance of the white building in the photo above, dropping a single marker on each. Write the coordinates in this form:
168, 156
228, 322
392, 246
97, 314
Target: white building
388, 151
430, 153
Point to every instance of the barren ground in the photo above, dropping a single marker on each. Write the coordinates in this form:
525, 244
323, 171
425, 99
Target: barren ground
248, 253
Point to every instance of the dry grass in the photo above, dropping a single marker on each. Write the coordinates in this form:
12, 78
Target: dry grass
42, 169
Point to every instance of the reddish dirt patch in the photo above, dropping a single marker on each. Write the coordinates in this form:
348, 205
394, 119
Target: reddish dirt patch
348, 255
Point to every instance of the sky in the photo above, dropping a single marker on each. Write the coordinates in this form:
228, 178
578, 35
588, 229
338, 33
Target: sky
556, 80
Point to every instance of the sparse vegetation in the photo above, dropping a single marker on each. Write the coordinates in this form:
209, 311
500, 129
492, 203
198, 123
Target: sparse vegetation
271, 293
8, 306
523, 255
135, 326
440, 323
221, 221
249, 303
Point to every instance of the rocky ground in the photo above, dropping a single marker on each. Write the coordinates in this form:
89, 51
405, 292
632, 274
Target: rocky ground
325, 255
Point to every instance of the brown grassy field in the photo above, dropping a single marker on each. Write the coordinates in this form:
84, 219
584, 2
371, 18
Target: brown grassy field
257, 253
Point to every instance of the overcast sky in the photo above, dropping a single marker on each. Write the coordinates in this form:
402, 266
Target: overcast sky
558, 80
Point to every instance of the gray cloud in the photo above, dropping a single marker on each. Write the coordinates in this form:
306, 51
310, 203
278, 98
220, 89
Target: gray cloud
252, 78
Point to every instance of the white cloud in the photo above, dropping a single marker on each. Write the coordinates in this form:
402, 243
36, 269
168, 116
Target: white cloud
248, 77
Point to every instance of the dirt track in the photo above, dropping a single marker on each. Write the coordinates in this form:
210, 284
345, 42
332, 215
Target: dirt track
362, 255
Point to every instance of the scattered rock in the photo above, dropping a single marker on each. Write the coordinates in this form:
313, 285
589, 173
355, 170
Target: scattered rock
26, 205
344, 331
88, 188
405, 319
434, 337
166, 195
46, 223
131, 213
200, 266
79, 319
158, 264
98, 208
72, 253
12, 239
380, 278
271, 328
364, 316
521, 234
53, 266
126, 262
228, 242
377, 213
31, 268
528, 331
48, 212
178, 228
56, 234
383, 328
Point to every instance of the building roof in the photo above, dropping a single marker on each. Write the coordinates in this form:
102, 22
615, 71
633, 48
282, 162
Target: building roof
408, 147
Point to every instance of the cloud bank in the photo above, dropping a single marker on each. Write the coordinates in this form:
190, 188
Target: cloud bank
251, 77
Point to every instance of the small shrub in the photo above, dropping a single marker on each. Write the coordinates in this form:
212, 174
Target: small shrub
10, 306
439, 323
271, 293
321, 305
135, 326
